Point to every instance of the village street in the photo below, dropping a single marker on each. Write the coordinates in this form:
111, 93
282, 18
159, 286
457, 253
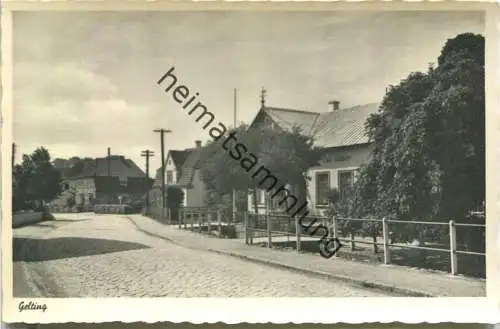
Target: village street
87, 255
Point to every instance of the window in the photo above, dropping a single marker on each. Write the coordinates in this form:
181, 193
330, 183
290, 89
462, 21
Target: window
170, 177
322, 188
261, 197
346, 182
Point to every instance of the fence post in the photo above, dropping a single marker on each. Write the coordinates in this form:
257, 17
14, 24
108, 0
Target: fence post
453, 248
185, 220
387, 249
180, 218
335, 233
268, 224
169, 214
200, 222
250, 226
297, 234
245, 225
191, 219
269, 231
219, 222
209, 221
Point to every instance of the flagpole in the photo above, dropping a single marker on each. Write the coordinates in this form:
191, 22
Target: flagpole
234, 190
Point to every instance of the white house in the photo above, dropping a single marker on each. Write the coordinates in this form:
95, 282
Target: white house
182, 171
339, 131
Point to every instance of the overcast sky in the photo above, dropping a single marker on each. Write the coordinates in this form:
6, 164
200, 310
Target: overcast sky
87, 81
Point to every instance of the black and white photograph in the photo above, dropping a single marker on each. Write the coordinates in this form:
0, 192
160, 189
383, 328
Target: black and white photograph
226, 153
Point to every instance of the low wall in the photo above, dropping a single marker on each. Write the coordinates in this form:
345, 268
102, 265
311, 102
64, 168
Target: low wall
26, 218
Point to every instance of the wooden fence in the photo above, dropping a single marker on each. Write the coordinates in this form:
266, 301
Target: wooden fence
273, 225
213, 221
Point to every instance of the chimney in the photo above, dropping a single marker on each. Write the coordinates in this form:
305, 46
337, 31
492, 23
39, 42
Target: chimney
197, 143
334, 105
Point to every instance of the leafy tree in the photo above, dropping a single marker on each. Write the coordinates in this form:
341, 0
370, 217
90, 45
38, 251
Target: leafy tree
35, 181
428, 157
175, 197
272, 148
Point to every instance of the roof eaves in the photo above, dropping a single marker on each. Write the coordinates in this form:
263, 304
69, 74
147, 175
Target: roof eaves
270, 108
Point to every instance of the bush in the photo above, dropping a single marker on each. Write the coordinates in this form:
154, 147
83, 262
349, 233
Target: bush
47, 215
87, 208
112, 209
229, 232
136, 206
77, 208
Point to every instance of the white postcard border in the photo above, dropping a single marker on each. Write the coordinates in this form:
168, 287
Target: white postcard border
261, 310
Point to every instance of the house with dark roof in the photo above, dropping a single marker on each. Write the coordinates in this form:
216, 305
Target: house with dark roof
182, 170
340, 131
111, 179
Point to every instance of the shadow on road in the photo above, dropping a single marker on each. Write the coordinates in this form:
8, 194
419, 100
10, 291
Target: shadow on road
36, 250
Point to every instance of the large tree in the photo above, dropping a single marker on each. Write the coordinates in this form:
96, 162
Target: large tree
35, 180
428, 160
285, 154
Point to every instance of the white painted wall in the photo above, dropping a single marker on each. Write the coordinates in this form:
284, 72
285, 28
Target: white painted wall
169, 166
195, 195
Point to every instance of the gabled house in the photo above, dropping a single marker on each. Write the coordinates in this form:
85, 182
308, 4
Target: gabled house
111, 179
182, 170
339, 131
173, 165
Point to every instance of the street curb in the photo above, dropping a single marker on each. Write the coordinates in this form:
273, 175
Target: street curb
333, 277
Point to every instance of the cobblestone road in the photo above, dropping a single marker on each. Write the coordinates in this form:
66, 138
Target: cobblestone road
106, 256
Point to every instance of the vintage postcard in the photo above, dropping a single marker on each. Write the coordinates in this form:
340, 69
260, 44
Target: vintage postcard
249, 162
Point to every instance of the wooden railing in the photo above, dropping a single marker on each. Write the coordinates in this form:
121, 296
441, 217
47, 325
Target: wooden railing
272, 225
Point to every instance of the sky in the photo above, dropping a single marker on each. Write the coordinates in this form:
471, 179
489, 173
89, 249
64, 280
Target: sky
86, 81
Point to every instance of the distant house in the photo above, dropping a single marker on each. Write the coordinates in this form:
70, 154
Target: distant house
112, 179
182, 170
339, 131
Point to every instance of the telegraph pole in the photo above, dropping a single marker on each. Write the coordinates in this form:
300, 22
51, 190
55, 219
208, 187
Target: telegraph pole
234, 190
13, 154
147, 154
109, 161
162, 133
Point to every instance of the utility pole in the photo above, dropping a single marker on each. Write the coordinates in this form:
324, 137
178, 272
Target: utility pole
109, 161
147, 154
108, 158
234, 190
162, 133
13, 154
